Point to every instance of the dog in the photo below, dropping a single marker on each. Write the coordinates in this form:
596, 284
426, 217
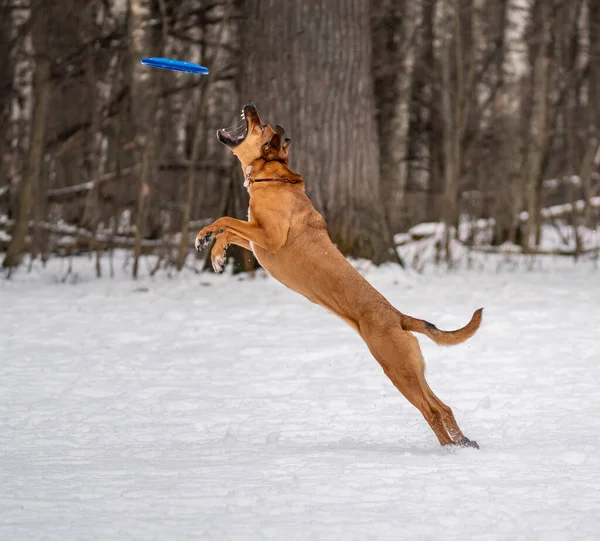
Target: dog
289, 239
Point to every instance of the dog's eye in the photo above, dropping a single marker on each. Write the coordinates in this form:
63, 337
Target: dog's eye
262, 127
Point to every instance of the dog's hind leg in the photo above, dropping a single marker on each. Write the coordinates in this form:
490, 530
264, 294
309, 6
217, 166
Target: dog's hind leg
400, 356
450, 422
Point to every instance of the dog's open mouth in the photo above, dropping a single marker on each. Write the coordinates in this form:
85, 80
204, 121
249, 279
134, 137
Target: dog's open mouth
231, 136
234, 135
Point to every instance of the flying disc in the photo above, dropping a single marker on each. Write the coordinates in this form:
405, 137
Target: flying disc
175, 65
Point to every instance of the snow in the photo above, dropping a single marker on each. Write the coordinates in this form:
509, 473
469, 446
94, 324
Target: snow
423, 242
225, 408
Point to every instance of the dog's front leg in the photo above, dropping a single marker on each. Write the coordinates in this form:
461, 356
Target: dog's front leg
271, 239
217, 254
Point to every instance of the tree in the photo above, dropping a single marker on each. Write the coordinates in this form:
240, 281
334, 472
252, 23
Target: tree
206, 88
143, 41
458, 84
6, 83
311, 73
40, 28
538, 128
394, 27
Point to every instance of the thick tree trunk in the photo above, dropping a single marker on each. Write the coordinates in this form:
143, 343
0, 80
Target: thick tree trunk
37, 135
311, 73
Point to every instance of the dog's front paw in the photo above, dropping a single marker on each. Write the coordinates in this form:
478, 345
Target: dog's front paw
203, 239
218, 263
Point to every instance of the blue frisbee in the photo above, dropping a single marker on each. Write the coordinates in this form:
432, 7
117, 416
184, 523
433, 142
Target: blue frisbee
175, 65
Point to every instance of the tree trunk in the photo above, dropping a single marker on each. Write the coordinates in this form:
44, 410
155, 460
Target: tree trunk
143, 93
6, 88
428, 116
101, 92
206, 87
458, 71
394, 25
311, 73
594, 66
591, 159
37, 135
538, 128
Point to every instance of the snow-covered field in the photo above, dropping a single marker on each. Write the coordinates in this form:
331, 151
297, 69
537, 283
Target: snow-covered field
214, 407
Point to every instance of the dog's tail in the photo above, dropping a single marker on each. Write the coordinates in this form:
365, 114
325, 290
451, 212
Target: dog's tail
444, 338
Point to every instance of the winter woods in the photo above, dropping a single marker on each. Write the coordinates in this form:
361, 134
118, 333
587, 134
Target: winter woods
400, 112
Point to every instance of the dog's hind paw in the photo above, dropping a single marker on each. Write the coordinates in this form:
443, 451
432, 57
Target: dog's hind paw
466, 442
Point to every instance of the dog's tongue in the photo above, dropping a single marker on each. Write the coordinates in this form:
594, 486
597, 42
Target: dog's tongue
234, 133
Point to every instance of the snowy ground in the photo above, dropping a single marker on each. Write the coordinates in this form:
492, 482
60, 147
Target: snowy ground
209, 407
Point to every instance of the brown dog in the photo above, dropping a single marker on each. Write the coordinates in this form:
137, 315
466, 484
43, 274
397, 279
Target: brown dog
289, 238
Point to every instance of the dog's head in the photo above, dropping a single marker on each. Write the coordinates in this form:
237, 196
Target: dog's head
258, 140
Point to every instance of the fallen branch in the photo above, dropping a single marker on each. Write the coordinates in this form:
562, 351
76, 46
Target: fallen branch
503, 251
70, 193
74, 239
558, 211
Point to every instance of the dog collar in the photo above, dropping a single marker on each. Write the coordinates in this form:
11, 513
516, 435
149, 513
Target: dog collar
249, 180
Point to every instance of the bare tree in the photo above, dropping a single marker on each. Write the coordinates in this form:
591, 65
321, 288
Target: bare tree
394, 28
591, 159
143, 41
206, 89
458, 50
426, 133
6, 87
40, 26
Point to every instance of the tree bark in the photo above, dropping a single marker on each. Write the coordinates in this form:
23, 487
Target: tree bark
394, 26
428, 117
143, 92
538, 138
311, 73
458, 77
6, 90
215, 59
591, 159
37, 134
593, 109
594, 66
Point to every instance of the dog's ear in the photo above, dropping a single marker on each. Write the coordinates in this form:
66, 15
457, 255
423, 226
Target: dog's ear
286, 144
275, 142
271, 150
279, 130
